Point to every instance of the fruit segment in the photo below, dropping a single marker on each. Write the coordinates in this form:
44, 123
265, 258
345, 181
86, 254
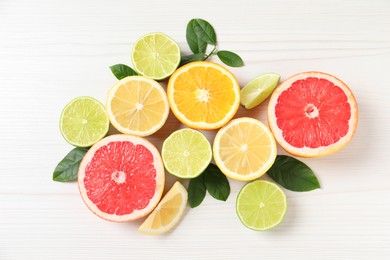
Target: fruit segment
168, 212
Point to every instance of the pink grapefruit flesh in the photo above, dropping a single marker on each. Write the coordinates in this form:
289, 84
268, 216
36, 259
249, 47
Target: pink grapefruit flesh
121, 178
313, 114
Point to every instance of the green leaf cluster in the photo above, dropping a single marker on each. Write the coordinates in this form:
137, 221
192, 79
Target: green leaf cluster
212, 180
200, 34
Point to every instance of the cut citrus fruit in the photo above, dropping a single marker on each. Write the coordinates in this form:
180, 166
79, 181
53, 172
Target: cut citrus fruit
121, 178
168, 212
156, 56
244, 149
258, 89
203, 95
186, 153
137, 105
261, 205
312, 114
84, 121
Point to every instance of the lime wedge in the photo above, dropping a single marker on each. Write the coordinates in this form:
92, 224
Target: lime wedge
84, 122
156, 56
261, 205
186, 153
258, 89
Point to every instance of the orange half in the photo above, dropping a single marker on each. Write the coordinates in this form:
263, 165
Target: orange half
203, 95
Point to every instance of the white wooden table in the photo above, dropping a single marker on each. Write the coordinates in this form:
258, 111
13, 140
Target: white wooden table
52, 51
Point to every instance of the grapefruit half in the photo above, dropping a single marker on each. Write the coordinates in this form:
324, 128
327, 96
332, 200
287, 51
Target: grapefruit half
312, 114
121, 178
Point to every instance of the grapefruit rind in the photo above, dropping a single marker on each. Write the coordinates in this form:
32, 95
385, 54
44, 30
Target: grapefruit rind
322, 150
202, 125
160, 178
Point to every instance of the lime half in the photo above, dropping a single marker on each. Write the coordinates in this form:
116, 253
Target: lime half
156, 56
186, 153
261, 205
84, 122
257, 90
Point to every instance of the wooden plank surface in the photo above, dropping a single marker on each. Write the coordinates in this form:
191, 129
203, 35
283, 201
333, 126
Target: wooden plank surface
53, 51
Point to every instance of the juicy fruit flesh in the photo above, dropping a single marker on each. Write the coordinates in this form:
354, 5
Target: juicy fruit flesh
121, 178
138, 105
168, 212
261, 205
84, 121
186, 153
313, 112
256, 91
204, 94
156, 56
246, 152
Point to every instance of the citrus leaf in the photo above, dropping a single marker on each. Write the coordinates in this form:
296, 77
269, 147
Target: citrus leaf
204, 30
194, 40
192, 57
216, 182
196, 191
230, 58
122, 71
68, 168
293, 174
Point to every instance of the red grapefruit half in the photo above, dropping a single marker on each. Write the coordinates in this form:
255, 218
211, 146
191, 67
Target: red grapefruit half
312, 114
121, 178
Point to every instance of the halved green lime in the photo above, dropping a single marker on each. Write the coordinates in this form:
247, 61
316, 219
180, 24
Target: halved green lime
84, 121
257, 90
261, 205
156, 56
186, 153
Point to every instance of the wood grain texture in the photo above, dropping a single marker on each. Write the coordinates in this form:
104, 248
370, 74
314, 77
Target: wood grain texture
53, 51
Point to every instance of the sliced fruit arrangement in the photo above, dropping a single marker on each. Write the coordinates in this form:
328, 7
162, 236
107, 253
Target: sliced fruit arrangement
258, 89
186, 153
168, 212
313, 114
244, 149
155, 55
84, 121
261, 205
137, 105
203, 95
121, 178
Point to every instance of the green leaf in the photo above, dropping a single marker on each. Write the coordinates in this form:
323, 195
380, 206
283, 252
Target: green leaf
204, 30
216, 182
196, 191
195, 41
122, 71
293, 174
230, 58
68, 168
192, 57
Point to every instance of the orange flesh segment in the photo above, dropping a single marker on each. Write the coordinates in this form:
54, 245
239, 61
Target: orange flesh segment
204, 94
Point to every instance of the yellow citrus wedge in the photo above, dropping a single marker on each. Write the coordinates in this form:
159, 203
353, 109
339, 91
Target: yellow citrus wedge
168, 212
244, 149
137, 105
203, 95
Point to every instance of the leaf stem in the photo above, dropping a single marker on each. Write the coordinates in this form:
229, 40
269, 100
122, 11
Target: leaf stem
211, 53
